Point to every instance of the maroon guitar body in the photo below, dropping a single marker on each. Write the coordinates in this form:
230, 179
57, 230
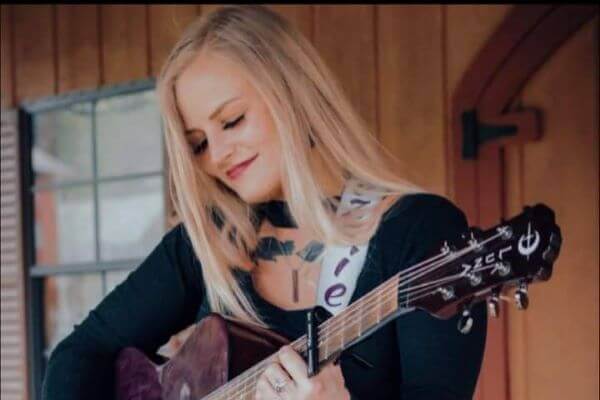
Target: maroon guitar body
216, 351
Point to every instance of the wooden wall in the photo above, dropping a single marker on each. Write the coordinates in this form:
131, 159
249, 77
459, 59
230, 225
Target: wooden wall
399, 65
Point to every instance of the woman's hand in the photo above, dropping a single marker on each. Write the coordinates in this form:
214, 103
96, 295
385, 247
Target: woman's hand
287, 379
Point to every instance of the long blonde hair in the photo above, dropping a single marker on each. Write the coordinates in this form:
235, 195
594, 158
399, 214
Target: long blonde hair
311, 114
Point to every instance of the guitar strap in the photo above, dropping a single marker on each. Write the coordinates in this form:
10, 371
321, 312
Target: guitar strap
342, 265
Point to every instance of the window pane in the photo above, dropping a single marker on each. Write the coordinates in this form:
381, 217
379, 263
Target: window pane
62, 144
64, 231
129, 135
67, 301
132, 219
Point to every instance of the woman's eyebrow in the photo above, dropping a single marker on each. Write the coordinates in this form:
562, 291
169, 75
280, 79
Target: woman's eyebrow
214, 114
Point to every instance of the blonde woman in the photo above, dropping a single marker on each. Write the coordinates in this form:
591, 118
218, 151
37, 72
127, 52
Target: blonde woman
261, 145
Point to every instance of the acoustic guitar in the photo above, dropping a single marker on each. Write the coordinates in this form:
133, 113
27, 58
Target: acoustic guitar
223, 358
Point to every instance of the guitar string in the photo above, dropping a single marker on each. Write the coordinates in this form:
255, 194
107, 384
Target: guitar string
253, 372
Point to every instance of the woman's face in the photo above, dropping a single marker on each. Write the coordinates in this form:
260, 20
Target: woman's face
229, 128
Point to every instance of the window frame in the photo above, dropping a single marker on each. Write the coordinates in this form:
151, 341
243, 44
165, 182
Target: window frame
34, 274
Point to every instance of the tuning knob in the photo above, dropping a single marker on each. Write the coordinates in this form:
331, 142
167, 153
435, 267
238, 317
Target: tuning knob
465, 323
521, 296
493, 303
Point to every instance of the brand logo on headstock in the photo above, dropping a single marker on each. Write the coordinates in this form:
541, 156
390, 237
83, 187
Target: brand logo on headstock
484, 262
528, 243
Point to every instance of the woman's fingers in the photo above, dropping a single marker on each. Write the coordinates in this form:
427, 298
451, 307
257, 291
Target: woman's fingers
293, 364
264, 390
280, 381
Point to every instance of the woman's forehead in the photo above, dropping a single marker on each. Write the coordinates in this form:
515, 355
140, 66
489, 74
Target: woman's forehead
207, 82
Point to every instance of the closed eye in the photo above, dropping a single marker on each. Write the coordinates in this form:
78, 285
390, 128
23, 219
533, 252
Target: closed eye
200, 147
229, 125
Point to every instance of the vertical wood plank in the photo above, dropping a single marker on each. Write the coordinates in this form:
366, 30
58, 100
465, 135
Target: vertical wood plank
167, 22
6, 63
411, 104
34, 51
124, 43
78, 47
467, 29
345, 38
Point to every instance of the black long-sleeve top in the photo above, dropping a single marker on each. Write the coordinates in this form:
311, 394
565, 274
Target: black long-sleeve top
417, 356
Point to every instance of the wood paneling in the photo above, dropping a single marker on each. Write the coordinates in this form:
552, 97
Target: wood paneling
124, 43
554, 345
78, 47
345, 38
410, 81
6, 78
167, 22
34, 51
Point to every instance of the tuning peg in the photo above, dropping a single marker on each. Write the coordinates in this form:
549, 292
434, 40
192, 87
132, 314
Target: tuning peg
465, 323
493, 303
521, 296
475, 278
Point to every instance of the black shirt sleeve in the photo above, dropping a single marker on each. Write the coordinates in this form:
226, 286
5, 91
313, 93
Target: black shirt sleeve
159, 298
437, 361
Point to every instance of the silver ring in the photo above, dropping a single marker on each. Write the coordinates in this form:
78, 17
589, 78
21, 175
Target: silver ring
278, 386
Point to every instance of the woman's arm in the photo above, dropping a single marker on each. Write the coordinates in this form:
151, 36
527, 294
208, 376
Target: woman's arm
437, 361
156, 300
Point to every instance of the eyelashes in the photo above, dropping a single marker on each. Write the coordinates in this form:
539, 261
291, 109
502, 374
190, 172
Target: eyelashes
199, 148
233, 123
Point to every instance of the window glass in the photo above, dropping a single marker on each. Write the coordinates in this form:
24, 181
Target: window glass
132, 217
64, 231
62, 145
129, 135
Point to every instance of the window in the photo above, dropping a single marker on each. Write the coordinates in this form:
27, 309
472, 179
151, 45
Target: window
94, 190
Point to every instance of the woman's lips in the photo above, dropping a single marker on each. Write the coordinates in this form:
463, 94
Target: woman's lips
236, 171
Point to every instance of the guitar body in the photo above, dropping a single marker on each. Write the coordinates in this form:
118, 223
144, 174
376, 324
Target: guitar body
217, 350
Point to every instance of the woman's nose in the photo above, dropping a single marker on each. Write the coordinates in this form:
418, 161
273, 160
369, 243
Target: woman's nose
220, 150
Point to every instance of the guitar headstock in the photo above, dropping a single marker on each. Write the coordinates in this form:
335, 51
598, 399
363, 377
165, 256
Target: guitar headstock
477, 265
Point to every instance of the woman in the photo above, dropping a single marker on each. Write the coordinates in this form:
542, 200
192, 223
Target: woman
261, 145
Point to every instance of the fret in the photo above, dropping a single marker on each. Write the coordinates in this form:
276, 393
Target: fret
359, 318
325, 353
342, 329
379, 295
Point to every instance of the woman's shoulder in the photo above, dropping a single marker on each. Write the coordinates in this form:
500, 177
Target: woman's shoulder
415, 207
